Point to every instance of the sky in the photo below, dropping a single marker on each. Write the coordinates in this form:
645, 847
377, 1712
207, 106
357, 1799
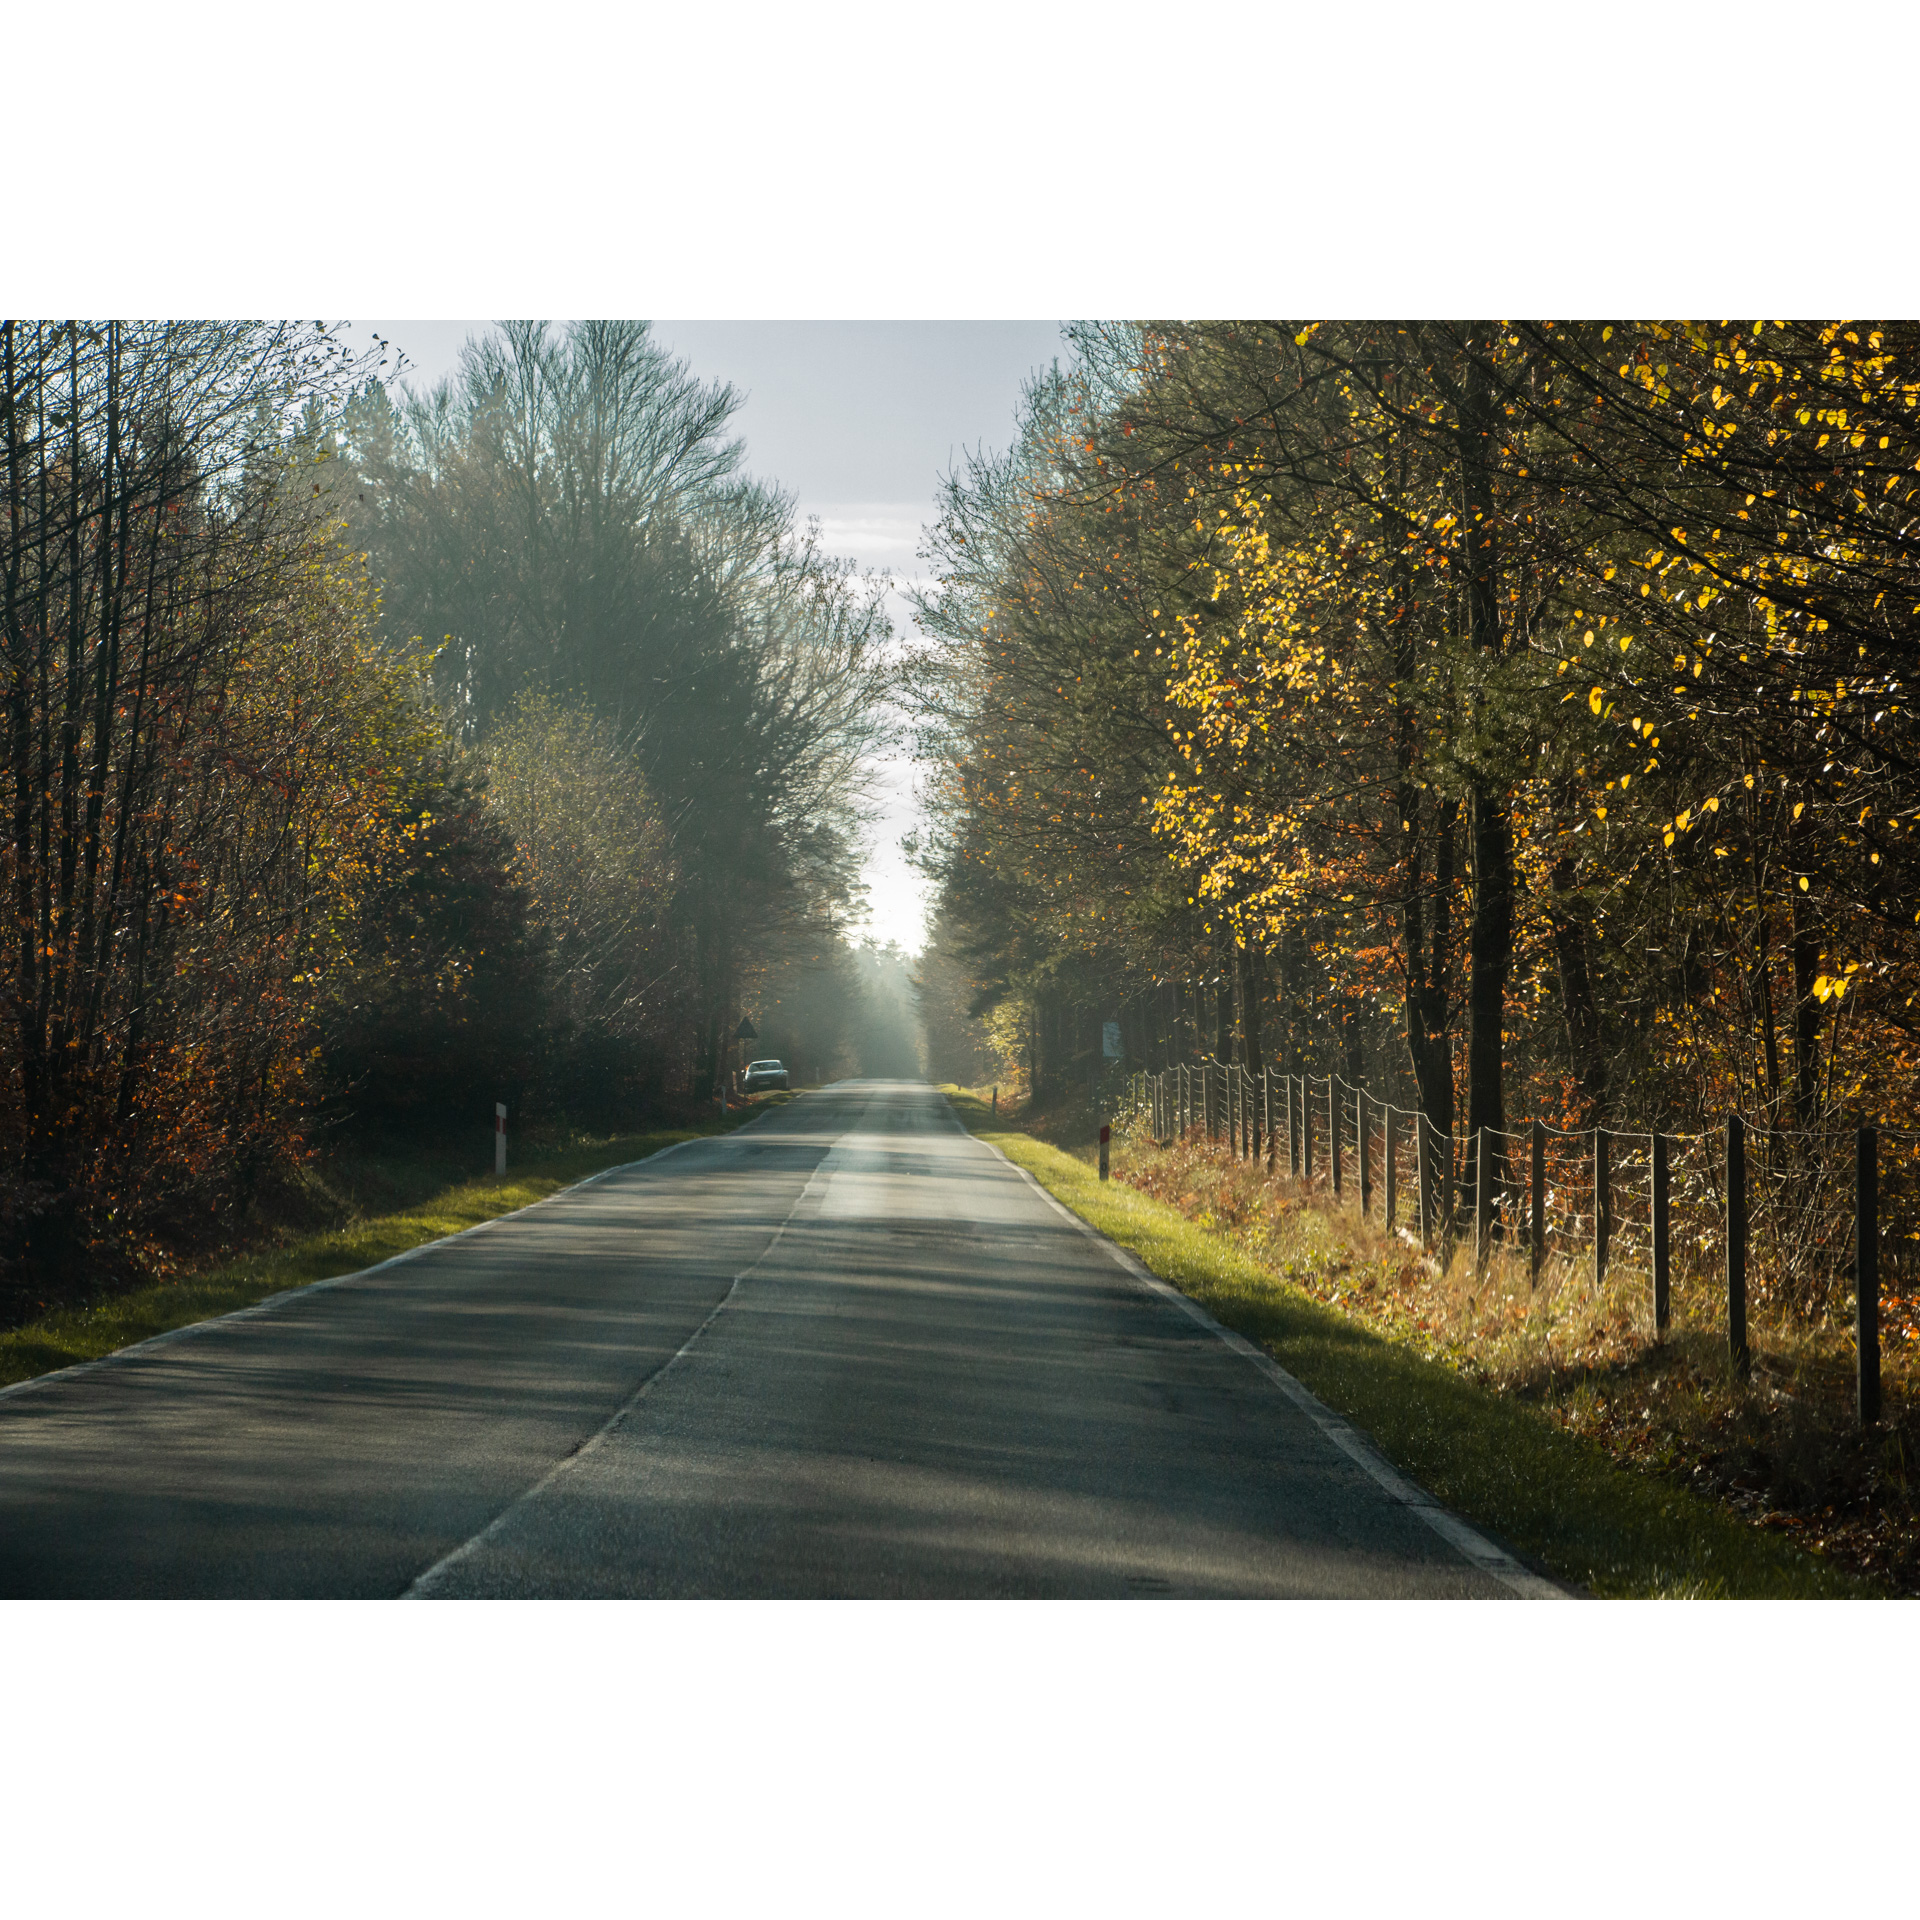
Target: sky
858, 419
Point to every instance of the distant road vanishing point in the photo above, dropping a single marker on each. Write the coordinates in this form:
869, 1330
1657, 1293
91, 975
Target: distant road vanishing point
849, 1350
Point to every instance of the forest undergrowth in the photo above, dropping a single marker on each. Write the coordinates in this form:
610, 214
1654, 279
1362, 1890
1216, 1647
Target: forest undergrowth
1780, 1450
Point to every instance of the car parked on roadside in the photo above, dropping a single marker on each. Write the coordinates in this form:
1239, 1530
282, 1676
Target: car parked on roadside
761, 1075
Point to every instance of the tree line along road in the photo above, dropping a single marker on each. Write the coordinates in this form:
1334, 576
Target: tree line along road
849, 1350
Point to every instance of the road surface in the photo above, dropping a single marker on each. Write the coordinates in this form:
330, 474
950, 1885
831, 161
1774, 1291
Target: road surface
848, 1350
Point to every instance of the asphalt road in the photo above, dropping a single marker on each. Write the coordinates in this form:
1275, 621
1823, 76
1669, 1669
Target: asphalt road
846, 1351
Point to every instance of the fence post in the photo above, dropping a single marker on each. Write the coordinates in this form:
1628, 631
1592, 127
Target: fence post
1602, 1204
1334, 1118
1266, 1113
1306, 1131
1537, 1222
1447, 1222
1387, 1195
499, 1141
1423, 1177
1662, 1271
1366, 1163
1866, 1272
1482, 1201
1293, 1134
1106, 1134
1737, 1245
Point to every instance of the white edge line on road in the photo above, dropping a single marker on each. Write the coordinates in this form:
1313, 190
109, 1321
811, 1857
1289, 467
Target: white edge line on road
423, 1587
274, 1301
1465, 1540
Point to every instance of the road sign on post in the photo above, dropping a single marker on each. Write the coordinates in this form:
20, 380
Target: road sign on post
499, 1141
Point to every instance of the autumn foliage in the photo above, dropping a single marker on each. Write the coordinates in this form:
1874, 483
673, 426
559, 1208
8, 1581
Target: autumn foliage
1517, 715
281, 862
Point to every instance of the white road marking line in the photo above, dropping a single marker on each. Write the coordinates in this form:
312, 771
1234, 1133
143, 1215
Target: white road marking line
1470, 1544
423, 1587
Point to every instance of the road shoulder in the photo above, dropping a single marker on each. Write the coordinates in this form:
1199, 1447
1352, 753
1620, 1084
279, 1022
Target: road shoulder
1553, 1498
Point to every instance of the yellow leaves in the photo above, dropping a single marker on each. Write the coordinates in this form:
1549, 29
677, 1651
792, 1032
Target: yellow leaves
1626, 640
1596, 699
1803, 883
1684, 819
1833, 986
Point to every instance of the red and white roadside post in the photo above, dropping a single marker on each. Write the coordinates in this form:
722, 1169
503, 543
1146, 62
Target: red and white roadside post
499, 1141
1106, 1134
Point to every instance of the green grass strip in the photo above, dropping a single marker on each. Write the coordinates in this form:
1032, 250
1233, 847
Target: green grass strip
62, 1339
1502, 1464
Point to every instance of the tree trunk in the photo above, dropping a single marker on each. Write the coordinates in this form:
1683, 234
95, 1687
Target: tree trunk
1585, 1042
1490, 823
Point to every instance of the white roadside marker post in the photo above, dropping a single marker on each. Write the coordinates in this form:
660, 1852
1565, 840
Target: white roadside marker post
499, 1141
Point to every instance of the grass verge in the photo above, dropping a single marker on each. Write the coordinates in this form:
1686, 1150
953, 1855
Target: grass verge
88, 1332
1552, 1495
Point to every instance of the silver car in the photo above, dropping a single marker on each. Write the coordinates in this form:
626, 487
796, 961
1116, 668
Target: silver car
761, 1075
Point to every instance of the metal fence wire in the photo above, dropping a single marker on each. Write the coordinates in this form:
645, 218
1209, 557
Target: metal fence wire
1809, 1225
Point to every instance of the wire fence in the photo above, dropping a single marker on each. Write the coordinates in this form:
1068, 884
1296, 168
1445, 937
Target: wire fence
1804, 1225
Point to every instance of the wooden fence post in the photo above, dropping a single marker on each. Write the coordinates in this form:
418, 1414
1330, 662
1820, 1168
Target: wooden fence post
1306, 1130
1537, 1223
1737, 1245
1293, 1137
1335, 1116
1366, 1159
1602, 1204
1482, 1201
1866, 1272
1387, 1194
1425, 1133
1662, 1271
